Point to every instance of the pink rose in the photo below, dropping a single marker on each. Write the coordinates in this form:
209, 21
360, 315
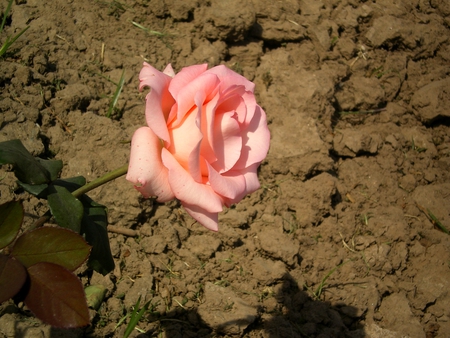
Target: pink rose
205, 139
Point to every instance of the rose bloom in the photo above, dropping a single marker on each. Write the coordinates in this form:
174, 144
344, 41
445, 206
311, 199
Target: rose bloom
205, 139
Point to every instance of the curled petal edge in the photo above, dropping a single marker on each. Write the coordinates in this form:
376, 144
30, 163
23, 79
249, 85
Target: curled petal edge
209, 220
187, 190
146, 169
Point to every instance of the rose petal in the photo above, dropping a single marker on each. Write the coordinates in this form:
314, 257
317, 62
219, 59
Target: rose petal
155, 116
205, 86
158, 101
227, 141
185, 141
146, 169
207, 128
209, 220
231, 92
229, 78
230, 185
187, 190
196, 160
251, 178
256, 140
250, 175
250, 103
184, 77
232, 100
153, 78
169, 70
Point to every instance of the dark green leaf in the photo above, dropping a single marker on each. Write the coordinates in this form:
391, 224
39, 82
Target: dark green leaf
56, 296
38, 190
72, 183
96, 211
11, 216
53, 167
54, 245
96, 235
67, 210
94, 229
27, 168
41, 190
12, 277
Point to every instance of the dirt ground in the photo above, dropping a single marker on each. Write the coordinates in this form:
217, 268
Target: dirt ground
338, 242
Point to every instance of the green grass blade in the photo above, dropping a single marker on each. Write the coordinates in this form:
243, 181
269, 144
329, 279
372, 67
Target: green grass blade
5, 15
146, 29
135, 317
116, 95
9, 41
437, 222
323, 283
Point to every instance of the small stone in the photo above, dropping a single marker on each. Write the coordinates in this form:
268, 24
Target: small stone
73, 97
429, 176
431, 101
267, 271
353, 142
203, 246
143, 288
274, 242
398, 316
225, 311
218, 24
154, 244
408, 182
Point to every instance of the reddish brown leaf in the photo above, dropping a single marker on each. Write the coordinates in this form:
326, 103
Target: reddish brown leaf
54, 245
12, 277
56, 296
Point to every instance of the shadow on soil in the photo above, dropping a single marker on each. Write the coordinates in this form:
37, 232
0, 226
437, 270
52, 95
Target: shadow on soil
297, 315
304, 316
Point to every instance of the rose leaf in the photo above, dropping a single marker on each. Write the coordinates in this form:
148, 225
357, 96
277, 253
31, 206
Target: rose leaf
54, 245
56, 296
11, 216
12, 277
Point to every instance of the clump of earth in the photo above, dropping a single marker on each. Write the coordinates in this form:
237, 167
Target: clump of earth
343, 239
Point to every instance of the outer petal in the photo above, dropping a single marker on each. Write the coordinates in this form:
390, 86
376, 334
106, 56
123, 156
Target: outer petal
169, 70
209, 220
229, 78
158, 101
187, 190
153, 78
155, 115
229, 186
252, 184
256, 140
146, 169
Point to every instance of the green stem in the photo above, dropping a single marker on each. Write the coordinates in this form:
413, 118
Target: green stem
101, 180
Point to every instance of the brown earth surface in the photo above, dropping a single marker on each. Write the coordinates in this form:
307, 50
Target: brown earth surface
336, 243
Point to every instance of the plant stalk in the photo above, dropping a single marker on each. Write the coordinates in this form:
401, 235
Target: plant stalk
84, 189
112, 175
